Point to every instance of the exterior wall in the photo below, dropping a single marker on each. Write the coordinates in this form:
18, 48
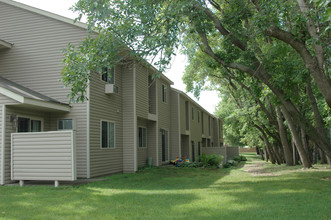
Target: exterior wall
34, 62
142, 152
232, 152
152, 141
163, 114
175, 149
142, 91
44, 156
129, 118
109, 108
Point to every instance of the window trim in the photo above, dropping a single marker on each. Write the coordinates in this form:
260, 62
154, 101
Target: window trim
31, 118
138, 138
164, 93
107, 77
108, 121
73, 124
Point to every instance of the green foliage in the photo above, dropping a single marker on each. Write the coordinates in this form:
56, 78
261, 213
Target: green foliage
211, 160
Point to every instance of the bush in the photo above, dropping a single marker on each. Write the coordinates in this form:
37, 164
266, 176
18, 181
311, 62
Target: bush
211, 160
189, 164
243, 158
227, 165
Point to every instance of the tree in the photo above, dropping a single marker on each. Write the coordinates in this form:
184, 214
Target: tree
236, 35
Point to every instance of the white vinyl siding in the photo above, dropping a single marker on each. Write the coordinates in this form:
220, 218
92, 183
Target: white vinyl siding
107, 134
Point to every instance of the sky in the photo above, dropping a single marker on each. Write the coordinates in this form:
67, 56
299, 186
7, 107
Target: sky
208, 99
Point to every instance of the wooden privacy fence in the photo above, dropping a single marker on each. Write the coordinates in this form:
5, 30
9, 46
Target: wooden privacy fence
43, 156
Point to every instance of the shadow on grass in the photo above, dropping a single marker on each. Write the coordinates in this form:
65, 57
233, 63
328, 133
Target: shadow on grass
177, 193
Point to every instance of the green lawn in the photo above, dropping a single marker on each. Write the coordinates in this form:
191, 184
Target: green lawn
255, 190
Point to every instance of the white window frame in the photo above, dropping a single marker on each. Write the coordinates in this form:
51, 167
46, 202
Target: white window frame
31, 118
108, 77
164, 93
73, 124
142, 137
107, 148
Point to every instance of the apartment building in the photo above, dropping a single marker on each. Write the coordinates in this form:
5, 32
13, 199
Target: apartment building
129, 117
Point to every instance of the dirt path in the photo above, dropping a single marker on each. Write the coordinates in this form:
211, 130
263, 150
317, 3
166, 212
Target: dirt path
257, 168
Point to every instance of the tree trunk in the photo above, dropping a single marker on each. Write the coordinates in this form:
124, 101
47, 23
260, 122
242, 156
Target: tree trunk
276, 153
306, 145
323, 157
261, 153
315, 152
283, 137
296, 137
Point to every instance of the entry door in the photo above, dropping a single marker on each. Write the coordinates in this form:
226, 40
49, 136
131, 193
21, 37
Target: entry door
199, 148
193, 152
23, 124
164, 146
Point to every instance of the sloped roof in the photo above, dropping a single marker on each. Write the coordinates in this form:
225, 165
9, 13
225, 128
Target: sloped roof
27, 96
5, 44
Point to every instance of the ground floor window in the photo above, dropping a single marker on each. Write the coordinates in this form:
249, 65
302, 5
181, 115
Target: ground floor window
65, 124
142, 137
107, 134
28, 125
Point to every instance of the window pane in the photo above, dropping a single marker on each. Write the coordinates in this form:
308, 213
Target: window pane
60, 124
104, 74
68, 124
23, 124
144, 138
140, 139
104, 133
111, 74
35, 125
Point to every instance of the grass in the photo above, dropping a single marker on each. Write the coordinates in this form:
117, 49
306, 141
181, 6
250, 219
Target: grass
254, 190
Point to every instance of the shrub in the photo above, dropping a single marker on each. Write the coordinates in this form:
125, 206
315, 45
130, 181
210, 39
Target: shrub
211, 160
227, 165
243, 158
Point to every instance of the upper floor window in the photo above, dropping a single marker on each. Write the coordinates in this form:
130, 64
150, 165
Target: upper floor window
142, 137
108, 75
107, 134
65, 124
192, 113
164, 93
198, 116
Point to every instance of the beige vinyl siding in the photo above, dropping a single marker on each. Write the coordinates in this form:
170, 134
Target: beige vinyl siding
163, 114
183, 115
107, 107
142, 152
34, 158
129, 118
175, 119
35, 62
152, 141
142, 91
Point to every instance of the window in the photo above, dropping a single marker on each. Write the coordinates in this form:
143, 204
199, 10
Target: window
28, 125
142, 137
192, 113
107, 134
65, 124
108, 75
198, 116
164, 93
